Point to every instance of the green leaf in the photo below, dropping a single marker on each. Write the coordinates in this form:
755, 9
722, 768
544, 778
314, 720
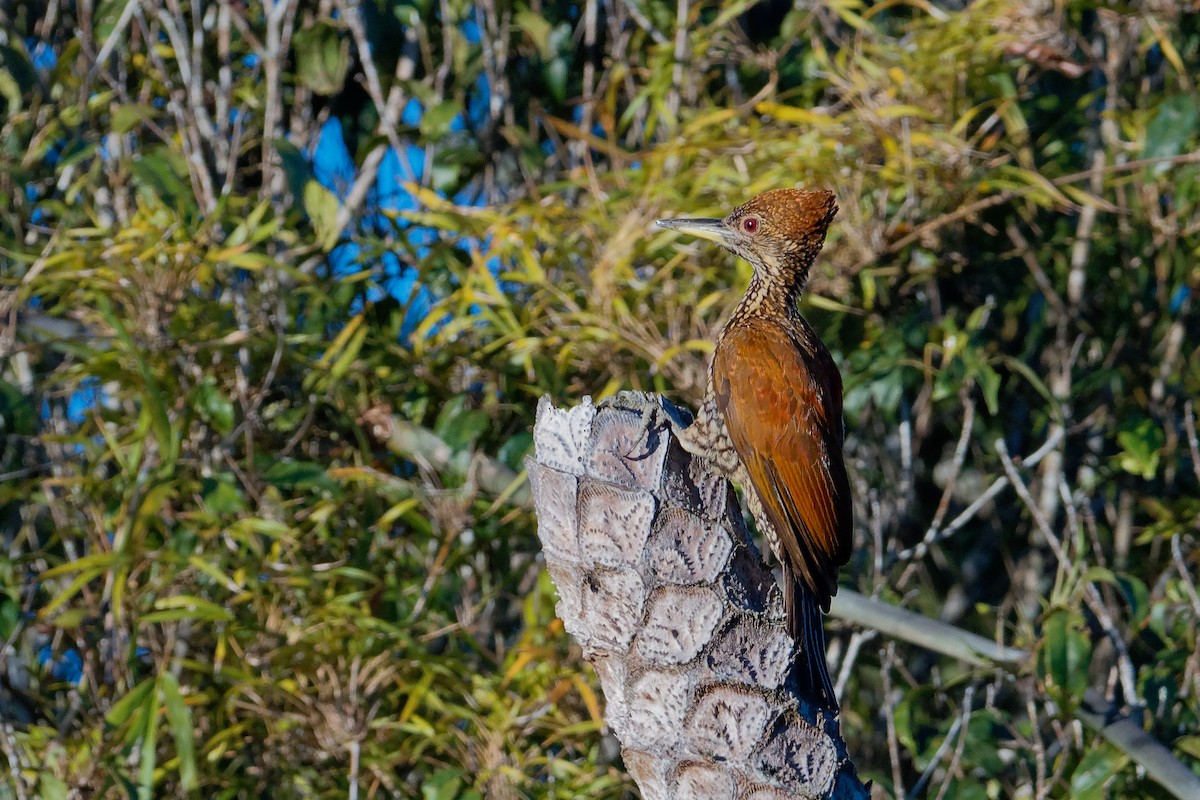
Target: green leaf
71, 619
160, 174
10, 613
345, 359
979, 742
295, 166
435, 122
322, 208
1066, 651
989, 382
512, 453
154, 403
966, 790
1094, 773
556, 78
1020, 367
1140, 444
213, 406
192, 606
902, 719
537, 28
50, 787
445, 175
1173, 126
289, 474
408, 15
887, 391
127, 117
1137, 595
75, 586
17, 416
1189, 745
18, 75
10, 90
107, 15
179, 718
221, 494
443, 785
124, 708
254, 525
459, 426
322, 57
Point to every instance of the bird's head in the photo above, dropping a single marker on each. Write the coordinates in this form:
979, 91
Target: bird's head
780, 232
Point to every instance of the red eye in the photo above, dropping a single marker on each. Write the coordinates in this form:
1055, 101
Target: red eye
750, 224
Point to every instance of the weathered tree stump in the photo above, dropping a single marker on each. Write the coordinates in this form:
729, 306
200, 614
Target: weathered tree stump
660, 584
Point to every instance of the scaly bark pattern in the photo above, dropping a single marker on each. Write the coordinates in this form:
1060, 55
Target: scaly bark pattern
672, 605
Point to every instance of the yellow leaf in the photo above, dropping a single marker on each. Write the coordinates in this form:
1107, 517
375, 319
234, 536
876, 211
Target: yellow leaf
344, 336
817, 301
791, 114
589, 698
518, 663
903, 110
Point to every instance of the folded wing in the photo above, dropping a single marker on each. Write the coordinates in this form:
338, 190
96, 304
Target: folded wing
782, 403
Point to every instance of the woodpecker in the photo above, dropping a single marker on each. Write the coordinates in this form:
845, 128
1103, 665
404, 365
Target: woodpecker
771, 418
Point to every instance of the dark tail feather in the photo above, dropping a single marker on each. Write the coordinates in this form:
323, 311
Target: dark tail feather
807, 626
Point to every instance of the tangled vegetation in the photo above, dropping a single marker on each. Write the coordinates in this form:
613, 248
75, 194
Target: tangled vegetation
238, 565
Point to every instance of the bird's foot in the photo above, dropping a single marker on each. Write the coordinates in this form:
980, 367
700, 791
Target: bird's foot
657, 412
629, 400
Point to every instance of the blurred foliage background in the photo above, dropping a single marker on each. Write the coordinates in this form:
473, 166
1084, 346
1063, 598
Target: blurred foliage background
253, 253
